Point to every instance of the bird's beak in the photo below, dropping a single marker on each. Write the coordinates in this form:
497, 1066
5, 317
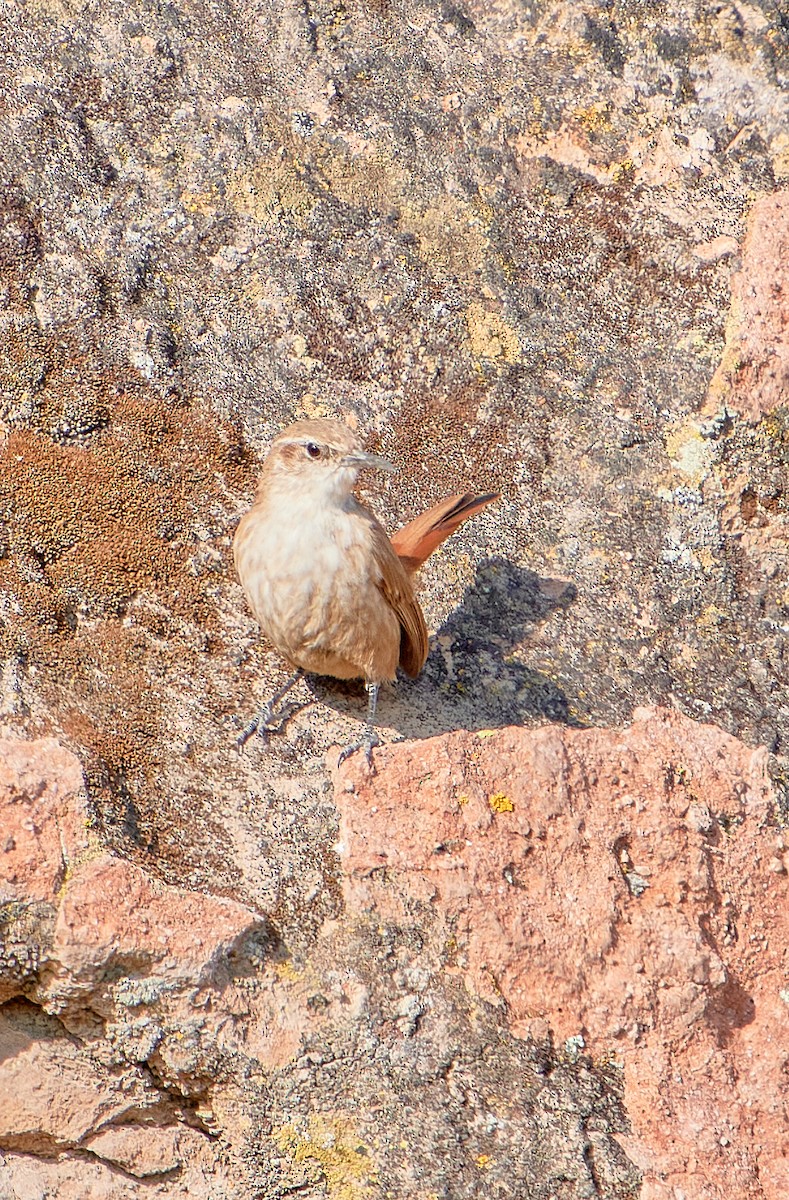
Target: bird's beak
361, 460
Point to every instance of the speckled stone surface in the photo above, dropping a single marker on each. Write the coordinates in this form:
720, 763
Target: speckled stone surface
532, 248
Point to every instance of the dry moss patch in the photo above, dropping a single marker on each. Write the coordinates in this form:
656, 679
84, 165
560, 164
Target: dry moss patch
113, 560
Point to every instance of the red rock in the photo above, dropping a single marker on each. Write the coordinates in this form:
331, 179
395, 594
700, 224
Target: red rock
112, 917
84, 1178
616, 884
753, 375
136, 967
51, 1095
43, 818
115, 919
145, 1150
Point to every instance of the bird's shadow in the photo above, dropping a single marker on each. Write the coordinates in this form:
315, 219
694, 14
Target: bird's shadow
472, 678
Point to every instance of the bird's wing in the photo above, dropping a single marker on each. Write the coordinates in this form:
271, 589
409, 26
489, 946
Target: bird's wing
398, 592
416, 541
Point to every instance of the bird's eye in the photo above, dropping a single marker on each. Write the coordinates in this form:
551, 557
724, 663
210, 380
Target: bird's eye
313, 450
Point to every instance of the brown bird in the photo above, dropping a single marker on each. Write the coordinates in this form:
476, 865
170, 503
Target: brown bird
329, 589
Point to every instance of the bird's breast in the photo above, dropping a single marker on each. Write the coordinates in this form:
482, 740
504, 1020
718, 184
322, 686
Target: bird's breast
312, 580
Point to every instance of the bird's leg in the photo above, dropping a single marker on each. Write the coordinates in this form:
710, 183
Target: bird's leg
259, 724
370, 738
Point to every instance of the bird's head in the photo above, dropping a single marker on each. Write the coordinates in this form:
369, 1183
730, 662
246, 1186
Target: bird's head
323, 457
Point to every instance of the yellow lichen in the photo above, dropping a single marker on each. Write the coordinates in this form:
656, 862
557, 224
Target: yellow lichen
711, 618
499, 803
779, 149
330, 1145
205, 203
490, 335
450, 233
287, 972
595, 117
310, 408
621, 171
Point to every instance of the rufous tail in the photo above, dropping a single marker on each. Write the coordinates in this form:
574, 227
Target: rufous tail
416, 541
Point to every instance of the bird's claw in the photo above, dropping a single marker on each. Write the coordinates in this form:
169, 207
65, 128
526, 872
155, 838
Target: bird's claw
262, 723
367, 744
259, 725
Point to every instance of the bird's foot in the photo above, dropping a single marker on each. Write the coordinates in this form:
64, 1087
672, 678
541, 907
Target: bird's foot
262, 723
368, 742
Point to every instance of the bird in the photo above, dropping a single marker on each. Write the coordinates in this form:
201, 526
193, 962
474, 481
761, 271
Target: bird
329, 589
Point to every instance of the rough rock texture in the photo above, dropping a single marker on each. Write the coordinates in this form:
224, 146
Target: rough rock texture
625, 889
753, 375
537, 247
162, 1035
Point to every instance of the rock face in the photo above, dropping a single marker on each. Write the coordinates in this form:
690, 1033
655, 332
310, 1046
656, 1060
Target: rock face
538, 249
626, 890
615, 899
158, 1035
753, 376
105, 967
